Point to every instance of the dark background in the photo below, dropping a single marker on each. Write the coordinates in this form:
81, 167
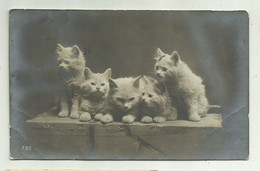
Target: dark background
213, 44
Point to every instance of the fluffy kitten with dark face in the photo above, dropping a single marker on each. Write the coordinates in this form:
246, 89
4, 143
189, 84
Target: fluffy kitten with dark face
93, 93
71, 65
155, 101
123, 100
185, 88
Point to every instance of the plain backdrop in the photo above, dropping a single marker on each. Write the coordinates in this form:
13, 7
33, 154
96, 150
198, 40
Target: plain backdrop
213, 44
250, 5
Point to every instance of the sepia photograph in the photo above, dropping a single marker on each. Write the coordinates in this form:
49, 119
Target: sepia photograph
129, 85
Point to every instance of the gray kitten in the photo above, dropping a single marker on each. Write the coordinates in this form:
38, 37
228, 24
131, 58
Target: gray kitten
155, 102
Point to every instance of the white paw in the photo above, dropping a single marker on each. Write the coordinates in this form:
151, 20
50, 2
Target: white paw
147, 119
74, 115
128, 119
85, 116
194, 117
63, 114
98, 116
107, 118
159, 119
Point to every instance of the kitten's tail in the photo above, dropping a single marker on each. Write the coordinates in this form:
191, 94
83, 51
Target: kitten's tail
213, 106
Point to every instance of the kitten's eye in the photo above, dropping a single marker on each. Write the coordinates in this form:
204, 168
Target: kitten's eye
164, 69
102, 84
149, 95
66, 62
92, 83
120, 99
132, 98
59, 61
143, 94
157, 67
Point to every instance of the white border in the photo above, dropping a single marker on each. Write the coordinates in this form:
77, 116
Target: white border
253, 8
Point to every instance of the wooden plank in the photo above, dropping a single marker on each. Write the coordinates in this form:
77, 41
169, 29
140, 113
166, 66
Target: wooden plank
59, 138
55, 146
51, 120
179, 144
114, 142
148, 152
64, 138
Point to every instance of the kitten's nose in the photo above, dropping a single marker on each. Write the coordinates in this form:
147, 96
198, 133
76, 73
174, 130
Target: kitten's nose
125, 106
158, 74
98, 88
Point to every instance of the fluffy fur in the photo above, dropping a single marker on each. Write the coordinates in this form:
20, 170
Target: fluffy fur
94, 91
123, 100
71, 64
155, 101
185, 88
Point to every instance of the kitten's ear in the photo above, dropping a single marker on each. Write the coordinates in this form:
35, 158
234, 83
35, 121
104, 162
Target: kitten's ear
137, 82
175, 57
75, 51
158, 53
145, 79
143, 82
112, 84
108, 73
88, 73
59, 48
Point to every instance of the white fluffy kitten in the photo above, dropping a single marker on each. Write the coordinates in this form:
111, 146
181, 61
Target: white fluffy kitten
71, 65
185, 88
93, 93
123, 100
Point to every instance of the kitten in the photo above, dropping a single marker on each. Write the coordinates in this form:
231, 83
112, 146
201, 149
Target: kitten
185, 88
71, 65
93, 93
155, 101
123, 100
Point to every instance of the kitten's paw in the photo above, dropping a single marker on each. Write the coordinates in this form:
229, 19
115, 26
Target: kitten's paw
128, 119
147, 119
107, 118
85, 116
159, 119
195, 118
74, 115
98, 116
63, 114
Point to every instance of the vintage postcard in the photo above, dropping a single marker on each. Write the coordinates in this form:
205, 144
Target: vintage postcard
129, 85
